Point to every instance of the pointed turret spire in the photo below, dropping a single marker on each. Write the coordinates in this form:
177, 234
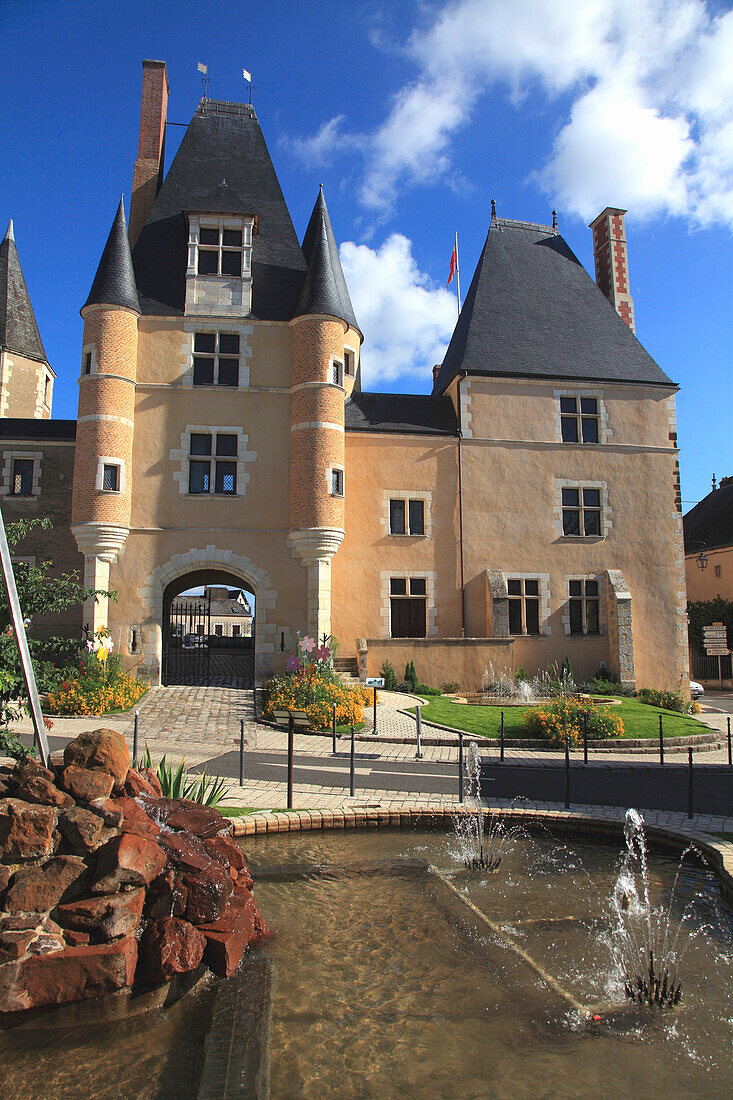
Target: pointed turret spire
324, 289
114, 283
18, 328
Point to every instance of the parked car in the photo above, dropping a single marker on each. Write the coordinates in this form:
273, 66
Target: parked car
696, 690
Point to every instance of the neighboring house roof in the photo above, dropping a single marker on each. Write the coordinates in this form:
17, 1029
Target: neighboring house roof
710, 523
18, 328
412, 414
324, 290
114, 283
18, 427
533, 311
222, 158
231, 608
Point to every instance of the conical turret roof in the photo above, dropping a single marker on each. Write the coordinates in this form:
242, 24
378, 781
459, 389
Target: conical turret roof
18, 328
324, 289
114, 283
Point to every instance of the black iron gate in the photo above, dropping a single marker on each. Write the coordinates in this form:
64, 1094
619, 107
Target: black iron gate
194, 654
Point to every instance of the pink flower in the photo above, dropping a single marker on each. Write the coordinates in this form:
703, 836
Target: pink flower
323, 653
292, 664
307, 645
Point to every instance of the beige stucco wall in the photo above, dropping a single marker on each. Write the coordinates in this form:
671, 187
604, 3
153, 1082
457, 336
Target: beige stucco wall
23, 386
440, 661
703, 584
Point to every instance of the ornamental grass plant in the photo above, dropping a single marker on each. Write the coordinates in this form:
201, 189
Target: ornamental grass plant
566, 718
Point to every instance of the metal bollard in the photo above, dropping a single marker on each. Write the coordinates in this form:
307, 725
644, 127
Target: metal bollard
375, 710
661, 741
567, 774
333, 728
134, 739
585, 737
501, 740
418, 731
291, 747
730, 754
241, 752
352, 784
689, 784
460, 765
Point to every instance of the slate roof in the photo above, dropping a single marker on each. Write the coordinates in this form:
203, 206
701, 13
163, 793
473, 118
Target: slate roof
324, 289
223, 155
533, 311
114, 283
407, 413
21, 427
710, 522
218, 606
18, 328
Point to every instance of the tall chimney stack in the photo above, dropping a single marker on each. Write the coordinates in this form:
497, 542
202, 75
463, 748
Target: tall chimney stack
148, 174
612, 262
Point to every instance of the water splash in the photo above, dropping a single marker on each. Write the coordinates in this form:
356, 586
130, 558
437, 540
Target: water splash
482, 844
645, 942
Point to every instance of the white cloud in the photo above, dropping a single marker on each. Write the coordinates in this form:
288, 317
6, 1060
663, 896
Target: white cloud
406, 320
319, 149
646, 87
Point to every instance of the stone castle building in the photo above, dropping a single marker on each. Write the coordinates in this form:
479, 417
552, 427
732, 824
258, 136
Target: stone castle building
526, 510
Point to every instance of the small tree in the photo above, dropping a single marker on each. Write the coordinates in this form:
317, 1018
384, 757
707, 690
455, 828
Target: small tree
390, 679
411, 676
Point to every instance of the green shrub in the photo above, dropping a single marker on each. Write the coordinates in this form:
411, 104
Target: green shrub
565, 718
667, 700
411, 676
390, 679
424, 689
450, 686
602, 686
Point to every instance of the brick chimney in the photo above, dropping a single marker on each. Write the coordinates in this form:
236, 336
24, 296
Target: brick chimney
612, 262
148, 174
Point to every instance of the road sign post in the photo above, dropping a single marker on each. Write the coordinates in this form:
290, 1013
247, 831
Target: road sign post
715, 640
375, 682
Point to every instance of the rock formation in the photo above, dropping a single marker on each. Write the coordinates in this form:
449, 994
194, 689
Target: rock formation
105, 884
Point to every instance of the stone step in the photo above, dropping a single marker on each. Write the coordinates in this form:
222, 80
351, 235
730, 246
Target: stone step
346, 664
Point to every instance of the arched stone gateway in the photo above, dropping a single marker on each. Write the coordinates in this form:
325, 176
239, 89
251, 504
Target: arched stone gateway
208, 565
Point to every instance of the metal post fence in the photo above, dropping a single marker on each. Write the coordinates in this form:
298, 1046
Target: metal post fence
460, 765
661, 741
501, 739
690, 807
375, 710
134, 739
241, 752
567, 774
333, 728
730, 753
418, 730
291, 747
352, 770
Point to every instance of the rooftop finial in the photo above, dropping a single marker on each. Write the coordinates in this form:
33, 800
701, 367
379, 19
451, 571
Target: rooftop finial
10, 235
554, 220
715, 486
493, 211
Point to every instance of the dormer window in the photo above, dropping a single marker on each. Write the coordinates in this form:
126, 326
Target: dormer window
219, 264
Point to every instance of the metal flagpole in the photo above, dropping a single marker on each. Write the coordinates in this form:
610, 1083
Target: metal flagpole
458, 277
39, 729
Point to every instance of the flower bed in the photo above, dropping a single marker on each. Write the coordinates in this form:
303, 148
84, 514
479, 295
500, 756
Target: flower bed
311, 685
567, 717
98, 685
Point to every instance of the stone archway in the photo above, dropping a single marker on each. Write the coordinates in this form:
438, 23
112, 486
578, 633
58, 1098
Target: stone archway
202, 560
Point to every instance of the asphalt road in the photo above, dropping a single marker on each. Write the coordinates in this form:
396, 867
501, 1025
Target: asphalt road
722, 702
371, 773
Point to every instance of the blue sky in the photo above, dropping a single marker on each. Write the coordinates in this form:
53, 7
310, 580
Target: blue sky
413, 115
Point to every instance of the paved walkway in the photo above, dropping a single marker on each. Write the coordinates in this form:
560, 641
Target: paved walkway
203, 723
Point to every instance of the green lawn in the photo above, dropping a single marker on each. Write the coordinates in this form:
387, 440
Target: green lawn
639, 719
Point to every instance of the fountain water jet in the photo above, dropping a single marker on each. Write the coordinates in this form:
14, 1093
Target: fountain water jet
482, 848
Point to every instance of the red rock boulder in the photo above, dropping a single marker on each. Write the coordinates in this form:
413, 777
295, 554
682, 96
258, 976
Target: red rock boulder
71, 974
136, 784
100, 750
38, 888
86, 784
38, 789
82, 830
104, 917
170, 946
127, 860
26, 830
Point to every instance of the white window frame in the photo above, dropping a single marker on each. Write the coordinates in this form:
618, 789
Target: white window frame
430, 578
6, 484
407, 495
221, 224
583, 577
336, 366
354, 360
215, 355
222, 325
108, 460
606, 515
182, 455
89, 349
544, 597
333, 469
604, 430
407, 500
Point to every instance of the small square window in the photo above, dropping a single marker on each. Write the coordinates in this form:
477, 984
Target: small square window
111, 478
199, 474
579, 419
203, 372
216, 359
398, 586
204, 343
337, 372
226, 445
208, 236
348, 362
337, 483
581, 512
232, 238
87, 363
228, 343
718, 571
417, 517
397, 517
228, 372
418, 586
226, 477
231, 262
208, 263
